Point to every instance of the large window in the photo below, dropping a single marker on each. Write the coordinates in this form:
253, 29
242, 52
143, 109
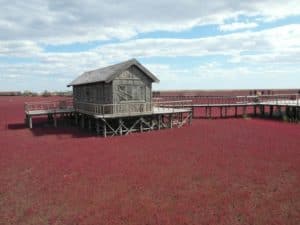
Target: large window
131, 93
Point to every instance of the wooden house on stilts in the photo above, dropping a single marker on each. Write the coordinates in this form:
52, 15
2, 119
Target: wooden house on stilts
117, 100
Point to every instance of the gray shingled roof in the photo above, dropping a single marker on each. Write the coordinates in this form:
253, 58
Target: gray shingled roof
107, 74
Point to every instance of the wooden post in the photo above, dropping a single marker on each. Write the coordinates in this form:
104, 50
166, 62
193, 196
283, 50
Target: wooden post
159, 122
76, 118
221, 111
141, 125
235, 111
271, 111
210, 112
30, 122
225, 111
206, 112
171, 120
152, 122
120, 126
190, 119
294, 113
97, 127
26, 121
255, 110
54, 120
263, 110
244, 110
104, 128
89, 123
82, 121
193, 113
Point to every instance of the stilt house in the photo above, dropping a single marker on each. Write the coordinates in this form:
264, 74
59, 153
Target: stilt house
125, 87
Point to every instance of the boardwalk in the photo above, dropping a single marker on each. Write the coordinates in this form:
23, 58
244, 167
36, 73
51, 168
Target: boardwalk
103, 118
260, 105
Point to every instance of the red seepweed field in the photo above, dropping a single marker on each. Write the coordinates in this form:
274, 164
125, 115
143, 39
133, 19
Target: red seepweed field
224, 171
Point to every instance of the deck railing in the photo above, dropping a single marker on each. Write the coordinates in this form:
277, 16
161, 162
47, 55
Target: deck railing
129, 108
122, 108
226, 100
49, 105
142, 107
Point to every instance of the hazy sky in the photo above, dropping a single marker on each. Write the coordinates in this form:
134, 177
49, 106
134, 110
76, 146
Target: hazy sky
188, 44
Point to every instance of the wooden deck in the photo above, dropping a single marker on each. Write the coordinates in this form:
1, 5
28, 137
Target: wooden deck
290, 103
157, 112
41, 112
154, 111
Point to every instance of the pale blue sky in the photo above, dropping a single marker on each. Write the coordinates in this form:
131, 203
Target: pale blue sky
190, 44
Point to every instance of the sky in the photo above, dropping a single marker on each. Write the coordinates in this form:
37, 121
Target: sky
187, 44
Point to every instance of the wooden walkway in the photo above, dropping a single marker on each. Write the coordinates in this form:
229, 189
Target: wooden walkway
50, 108
104, 118
175, 110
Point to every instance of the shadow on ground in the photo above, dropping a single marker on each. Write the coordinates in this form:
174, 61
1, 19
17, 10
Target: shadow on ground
44, 128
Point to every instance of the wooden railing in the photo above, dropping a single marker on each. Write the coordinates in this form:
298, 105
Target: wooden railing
226, 100
122, 108
49, 105
142, 107
129, 108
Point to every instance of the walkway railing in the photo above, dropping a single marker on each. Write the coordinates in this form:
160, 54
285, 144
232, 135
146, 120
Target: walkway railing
232, 100
129, 108
122, 108
162, 103
49, 105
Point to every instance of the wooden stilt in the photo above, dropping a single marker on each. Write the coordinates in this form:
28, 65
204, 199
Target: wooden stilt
152, 123
97, 127
104, 128
26, 121
190, 116
82, 121
120, 126
30, 122
255, 110
141, 125
221, 112
262, 110
159, 122
244, 111
76, 118
235, 111
193, 111
271, 110
89, 123
54, 120
171, 120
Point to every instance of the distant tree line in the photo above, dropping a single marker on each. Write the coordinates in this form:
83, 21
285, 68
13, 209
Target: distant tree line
45, 93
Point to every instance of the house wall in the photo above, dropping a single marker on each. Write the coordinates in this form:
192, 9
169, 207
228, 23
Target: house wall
97, 93
132, 85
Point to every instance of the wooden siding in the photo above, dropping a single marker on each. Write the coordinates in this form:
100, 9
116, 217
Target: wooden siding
98, 93
132, 85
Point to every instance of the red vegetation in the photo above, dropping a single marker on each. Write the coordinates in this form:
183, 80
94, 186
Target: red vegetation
231, 171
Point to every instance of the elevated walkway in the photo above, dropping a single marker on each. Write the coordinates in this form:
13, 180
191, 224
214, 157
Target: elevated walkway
113, 118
